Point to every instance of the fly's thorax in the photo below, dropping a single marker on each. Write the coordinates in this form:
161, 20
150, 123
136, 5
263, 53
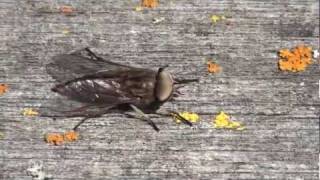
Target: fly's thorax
164, 86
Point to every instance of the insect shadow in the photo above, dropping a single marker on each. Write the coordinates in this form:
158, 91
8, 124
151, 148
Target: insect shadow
102, 86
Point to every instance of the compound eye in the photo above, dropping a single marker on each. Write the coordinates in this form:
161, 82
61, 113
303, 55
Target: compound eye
164, 87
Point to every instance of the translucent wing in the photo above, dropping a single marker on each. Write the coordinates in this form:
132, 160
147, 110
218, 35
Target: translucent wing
112, 87
93, 80
65, 67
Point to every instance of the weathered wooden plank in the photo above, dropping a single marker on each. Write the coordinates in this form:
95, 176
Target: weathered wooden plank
280, 110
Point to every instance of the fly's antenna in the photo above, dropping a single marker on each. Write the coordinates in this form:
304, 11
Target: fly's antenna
162, 68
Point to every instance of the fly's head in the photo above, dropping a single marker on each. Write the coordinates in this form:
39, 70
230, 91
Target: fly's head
166, 86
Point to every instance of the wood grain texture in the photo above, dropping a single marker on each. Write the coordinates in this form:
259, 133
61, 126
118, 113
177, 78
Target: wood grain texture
280, 110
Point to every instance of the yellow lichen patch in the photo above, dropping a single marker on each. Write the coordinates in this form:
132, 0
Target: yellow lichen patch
150, 3
217, 18
71, 136
1, 135
3, 88
138, 8
315, 53
65, 31
54, 138
222, 121
157, 20
29, 112
213, 67
296, 60
67, 10
189, 116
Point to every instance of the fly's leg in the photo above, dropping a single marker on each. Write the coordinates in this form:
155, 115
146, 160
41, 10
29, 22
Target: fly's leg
148, 120
79, 109
177, 115
82, 113
77, 112
92, 115
81, 122
93, 55
182, 119
80, 52
87, 52
145, 117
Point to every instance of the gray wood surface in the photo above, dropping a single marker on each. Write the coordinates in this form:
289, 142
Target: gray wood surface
279, 109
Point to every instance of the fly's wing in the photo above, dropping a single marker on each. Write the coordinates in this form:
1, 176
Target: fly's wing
67, 108
95, 81
103, 89
134, 86
65, 67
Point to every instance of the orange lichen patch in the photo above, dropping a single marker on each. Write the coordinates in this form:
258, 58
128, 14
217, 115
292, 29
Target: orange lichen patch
296, 60
30, 112
67, 9
213, 67
54, 138
3, 88
71, 136
150, 3
59, 139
